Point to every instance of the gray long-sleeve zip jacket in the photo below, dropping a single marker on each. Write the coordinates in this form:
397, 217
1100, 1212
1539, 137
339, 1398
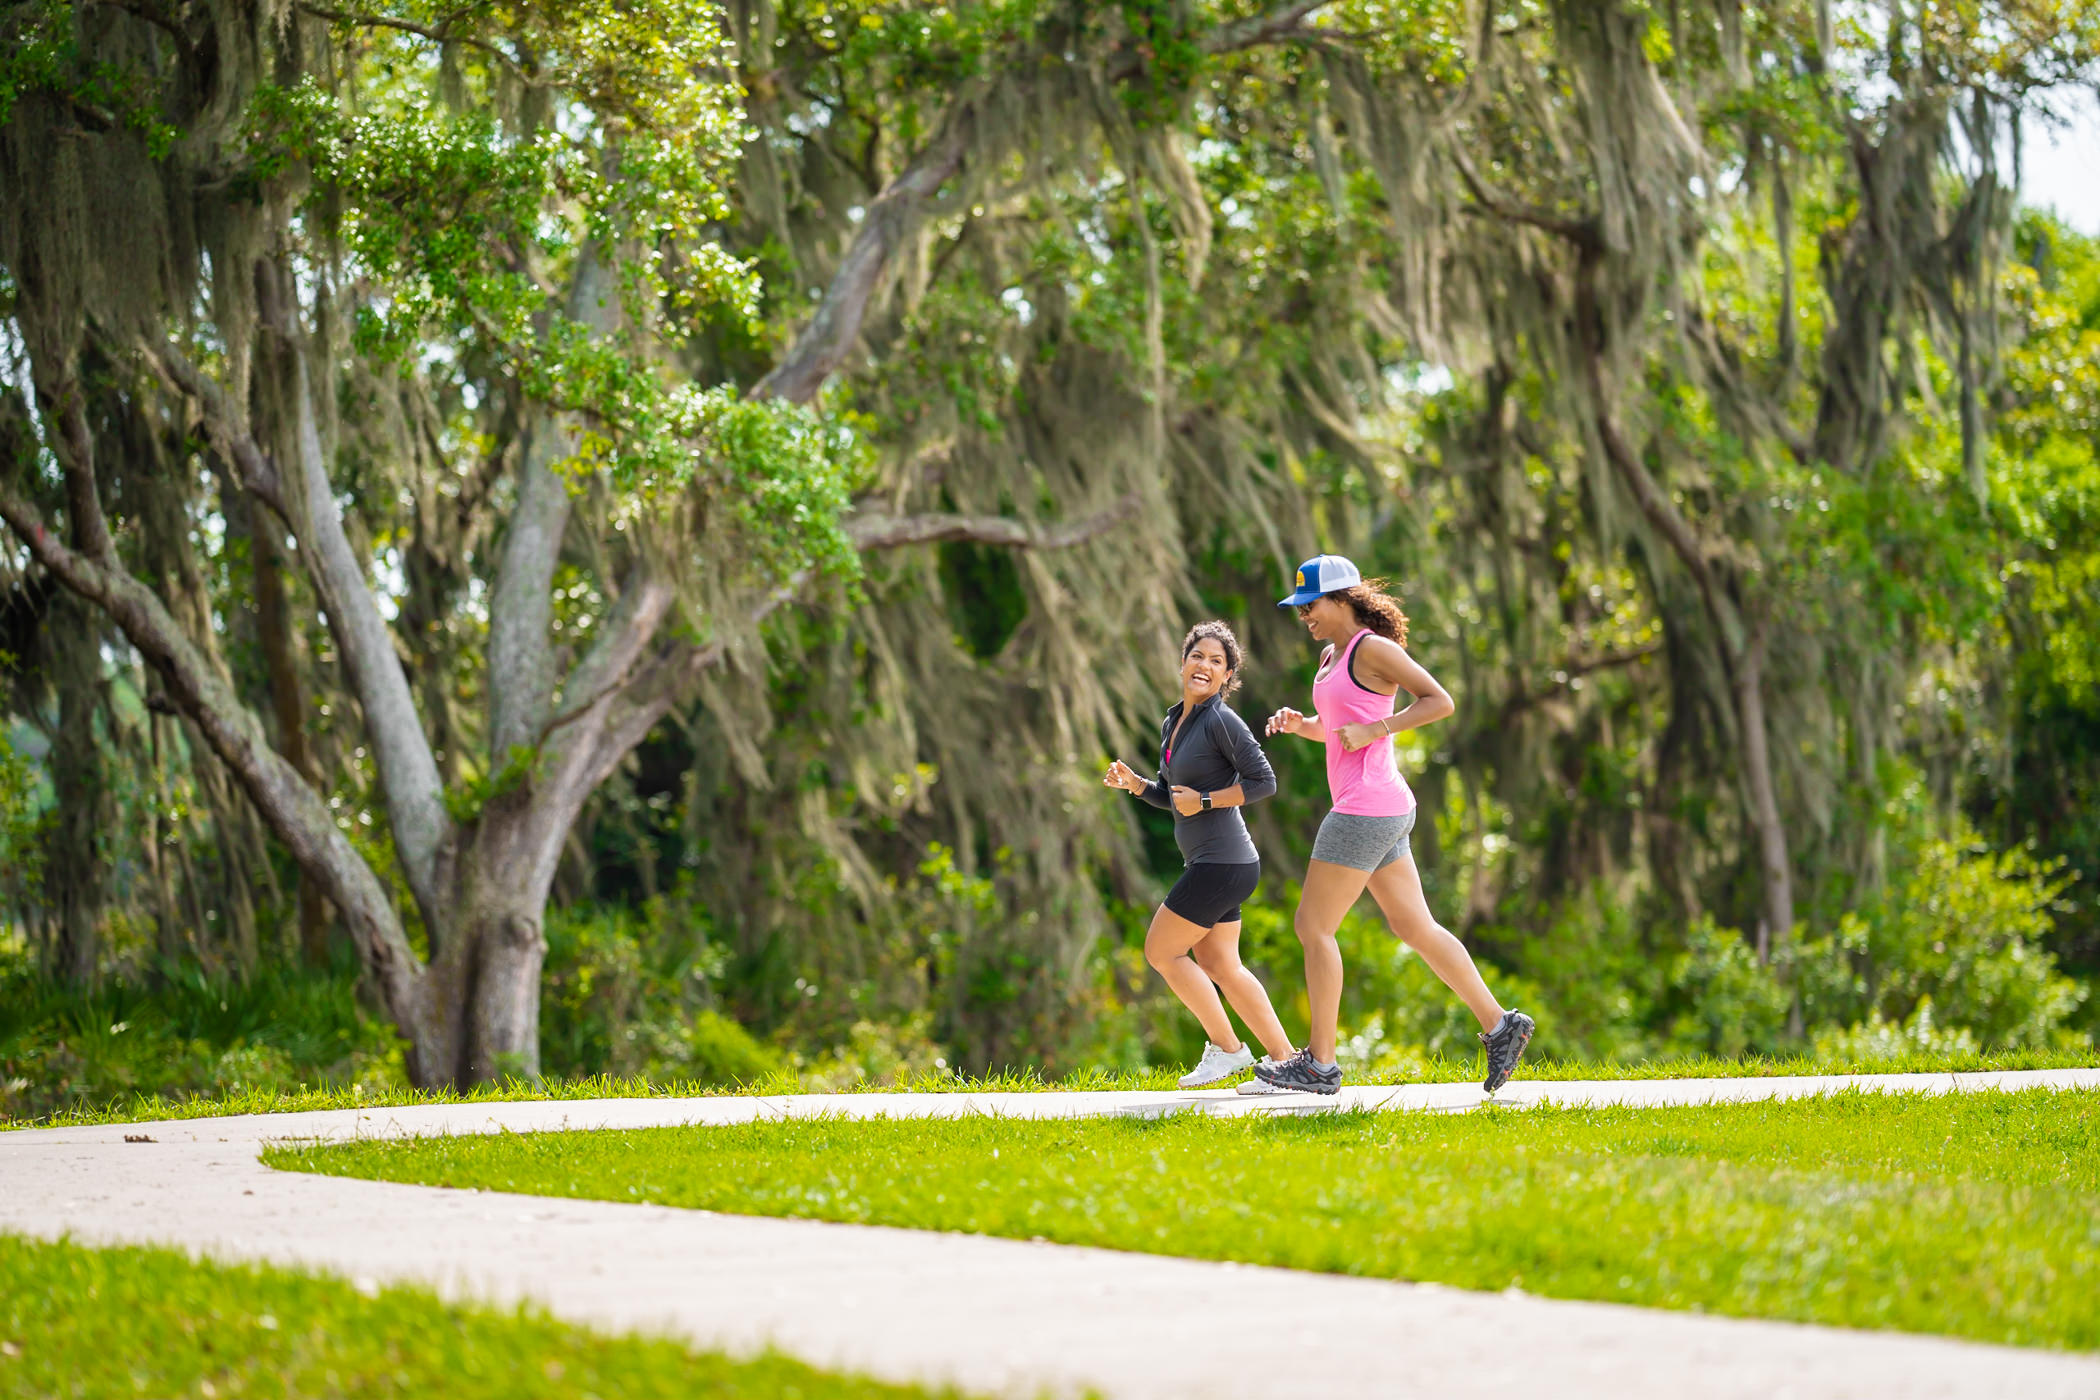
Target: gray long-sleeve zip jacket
1216, 750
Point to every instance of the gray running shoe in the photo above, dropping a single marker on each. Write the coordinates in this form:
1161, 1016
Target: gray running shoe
1505, 1046
1254, 1086
1299, 1074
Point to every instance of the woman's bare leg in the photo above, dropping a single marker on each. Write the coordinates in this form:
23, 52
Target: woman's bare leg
1398, 890
1167, 945
1218, 954
1329, 891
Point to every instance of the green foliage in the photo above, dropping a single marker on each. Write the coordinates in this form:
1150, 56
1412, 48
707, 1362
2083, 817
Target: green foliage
468, 218
2045, 493
1732, 1005
39, 54
632, 994
184, 1034
1965, 934
22, 819
464, 801
1162, 35
1974, 1215
95, 1324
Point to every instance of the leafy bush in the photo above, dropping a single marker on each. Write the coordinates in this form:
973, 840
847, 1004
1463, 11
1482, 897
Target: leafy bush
1719, 999
21, 820
1877, 1039
630, 992
1965, 932
184, 1033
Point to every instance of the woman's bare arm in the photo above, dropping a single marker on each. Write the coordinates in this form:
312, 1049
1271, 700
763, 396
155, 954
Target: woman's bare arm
1290, 721
1383, 662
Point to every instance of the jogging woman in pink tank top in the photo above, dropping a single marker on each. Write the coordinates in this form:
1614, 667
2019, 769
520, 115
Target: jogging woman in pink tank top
1363, 840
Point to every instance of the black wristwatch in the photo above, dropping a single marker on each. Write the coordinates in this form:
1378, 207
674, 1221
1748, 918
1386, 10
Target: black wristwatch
1206, 802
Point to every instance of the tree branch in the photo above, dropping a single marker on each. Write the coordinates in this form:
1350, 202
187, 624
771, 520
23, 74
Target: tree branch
521, 602
294, 811
437, 34
874, 530
1583, 233
890, 220
625, 695
831, 334
76, 455
1284, 22
611, 662
1525, 698
258, 470
423, 830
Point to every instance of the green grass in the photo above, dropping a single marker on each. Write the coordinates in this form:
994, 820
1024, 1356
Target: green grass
1975, 1215
93, 1323
140, 1108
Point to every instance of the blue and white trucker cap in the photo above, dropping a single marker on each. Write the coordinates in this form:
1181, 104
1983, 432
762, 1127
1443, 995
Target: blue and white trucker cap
1320, 576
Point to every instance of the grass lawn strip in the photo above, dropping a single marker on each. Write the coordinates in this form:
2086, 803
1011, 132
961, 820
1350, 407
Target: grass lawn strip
147, 1108
95, 1323
1971, 1215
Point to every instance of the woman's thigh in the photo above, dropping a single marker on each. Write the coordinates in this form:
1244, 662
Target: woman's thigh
1398, 890
1171, 935
1328, 892
1219, 949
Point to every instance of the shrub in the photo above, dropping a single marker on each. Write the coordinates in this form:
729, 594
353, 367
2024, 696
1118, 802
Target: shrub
1964, 933
629, 992
1723, 1001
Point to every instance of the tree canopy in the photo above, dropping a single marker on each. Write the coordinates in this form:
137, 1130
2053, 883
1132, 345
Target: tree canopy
761, 456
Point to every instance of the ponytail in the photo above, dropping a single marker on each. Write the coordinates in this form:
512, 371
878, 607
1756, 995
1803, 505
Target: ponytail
1375, 608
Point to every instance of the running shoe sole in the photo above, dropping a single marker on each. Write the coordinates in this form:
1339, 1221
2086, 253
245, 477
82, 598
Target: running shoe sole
1187, 1083
1493, 1085
1324, 1089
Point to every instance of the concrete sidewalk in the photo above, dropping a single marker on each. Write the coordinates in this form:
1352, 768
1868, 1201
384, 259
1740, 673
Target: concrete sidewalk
998, 1316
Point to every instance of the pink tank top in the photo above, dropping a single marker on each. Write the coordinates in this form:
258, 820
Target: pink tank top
1366, 783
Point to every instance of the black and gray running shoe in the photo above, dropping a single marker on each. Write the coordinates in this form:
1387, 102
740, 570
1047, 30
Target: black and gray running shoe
1300, 1074
1505, 1046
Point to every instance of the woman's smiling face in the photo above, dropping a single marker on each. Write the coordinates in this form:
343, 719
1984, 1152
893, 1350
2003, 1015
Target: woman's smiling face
1205, 669
1328, 619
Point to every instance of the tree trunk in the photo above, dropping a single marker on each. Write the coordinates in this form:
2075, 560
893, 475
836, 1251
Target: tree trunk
479, 1021
480, 1018
1774, 864
274, 630
503, 1017
74, 850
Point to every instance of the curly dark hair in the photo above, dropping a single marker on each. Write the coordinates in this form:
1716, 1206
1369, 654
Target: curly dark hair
1222, 635
1375, 608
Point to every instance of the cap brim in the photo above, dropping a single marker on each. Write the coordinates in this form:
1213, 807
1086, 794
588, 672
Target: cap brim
1301, 598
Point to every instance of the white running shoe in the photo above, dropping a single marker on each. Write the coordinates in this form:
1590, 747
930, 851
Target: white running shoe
1217, 1064
1258, 1085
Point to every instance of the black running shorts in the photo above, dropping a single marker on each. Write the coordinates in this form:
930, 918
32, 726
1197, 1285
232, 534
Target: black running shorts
1209, 894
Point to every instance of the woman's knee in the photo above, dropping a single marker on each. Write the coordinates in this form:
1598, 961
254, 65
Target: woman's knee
1216, 963
1309, 927
1161, 950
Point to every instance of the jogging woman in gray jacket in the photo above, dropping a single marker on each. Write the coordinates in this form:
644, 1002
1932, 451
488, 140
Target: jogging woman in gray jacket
1210, 766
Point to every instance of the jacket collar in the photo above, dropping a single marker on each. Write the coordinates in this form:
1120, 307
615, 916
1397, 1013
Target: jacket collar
1174, 712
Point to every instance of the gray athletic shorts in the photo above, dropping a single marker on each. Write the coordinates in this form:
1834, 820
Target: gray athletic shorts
1362, 843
